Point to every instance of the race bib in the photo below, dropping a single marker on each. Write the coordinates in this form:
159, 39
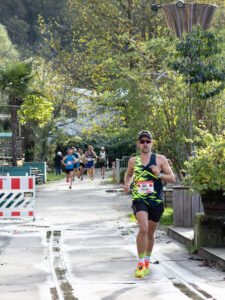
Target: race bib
145, 187
89, 159
70, 162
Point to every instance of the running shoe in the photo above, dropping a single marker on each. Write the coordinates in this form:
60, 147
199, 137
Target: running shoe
140, 272
67, 179
70, 187
146, 268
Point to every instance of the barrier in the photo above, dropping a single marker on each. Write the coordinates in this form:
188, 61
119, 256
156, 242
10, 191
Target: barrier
42, 166
17, 197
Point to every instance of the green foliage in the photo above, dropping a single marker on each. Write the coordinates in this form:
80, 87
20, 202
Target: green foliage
167, 217
53, 177
205, 171
35, 109
7, 49
192, 249
198, 61
15, 79
122, 175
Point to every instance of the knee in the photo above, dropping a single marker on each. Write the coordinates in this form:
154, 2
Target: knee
143, 230
151, 236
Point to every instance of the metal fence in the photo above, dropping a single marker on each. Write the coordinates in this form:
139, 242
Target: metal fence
121, 164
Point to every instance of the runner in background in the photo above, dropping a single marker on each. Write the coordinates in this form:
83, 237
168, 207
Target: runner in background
90, 157
68, 161
81, 163
102, 161
76, 166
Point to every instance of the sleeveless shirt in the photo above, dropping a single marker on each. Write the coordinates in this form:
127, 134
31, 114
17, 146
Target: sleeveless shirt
147, 186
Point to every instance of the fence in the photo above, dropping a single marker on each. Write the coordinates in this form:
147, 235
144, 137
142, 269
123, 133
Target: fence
6, 147
42, 166
185, 206
121, 164
17, 197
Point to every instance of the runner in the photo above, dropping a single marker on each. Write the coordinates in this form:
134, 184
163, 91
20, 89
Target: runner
90, 156
81, 163
68, 161
148, 170
76, 166
102, 161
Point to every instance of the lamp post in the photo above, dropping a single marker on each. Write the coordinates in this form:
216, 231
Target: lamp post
182, 16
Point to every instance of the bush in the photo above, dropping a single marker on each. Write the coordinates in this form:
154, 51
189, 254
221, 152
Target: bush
205, 171
122, 175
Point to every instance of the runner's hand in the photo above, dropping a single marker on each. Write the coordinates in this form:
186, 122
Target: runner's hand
126, 188
155, 170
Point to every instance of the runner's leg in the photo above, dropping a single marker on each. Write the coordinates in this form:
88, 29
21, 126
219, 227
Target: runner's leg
151, 235
142, 237
71, 178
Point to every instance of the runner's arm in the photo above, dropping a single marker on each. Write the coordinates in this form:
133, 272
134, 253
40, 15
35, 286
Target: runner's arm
167, 174
63, 161
129, 175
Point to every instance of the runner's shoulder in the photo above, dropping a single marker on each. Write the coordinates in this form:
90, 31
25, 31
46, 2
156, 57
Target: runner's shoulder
132, 160
161, 158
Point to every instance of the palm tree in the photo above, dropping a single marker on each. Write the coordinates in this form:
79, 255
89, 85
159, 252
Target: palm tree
15, 80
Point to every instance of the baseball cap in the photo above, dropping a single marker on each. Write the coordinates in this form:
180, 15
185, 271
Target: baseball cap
145, 133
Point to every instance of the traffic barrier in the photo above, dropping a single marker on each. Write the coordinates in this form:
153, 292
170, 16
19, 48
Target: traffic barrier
17, 197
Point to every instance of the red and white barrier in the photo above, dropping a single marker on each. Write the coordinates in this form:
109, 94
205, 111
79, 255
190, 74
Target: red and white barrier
17, 196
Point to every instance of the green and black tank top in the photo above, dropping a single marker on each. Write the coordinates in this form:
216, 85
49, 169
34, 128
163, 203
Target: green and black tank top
147, 186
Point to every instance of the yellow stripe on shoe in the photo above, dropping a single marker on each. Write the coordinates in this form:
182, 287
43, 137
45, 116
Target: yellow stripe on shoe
140, 272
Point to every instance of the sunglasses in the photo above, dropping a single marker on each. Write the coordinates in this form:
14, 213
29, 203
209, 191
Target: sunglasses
145, 141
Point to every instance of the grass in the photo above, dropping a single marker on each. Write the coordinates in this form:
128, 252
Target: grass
192, 249
54, 177
166, 219
109, 180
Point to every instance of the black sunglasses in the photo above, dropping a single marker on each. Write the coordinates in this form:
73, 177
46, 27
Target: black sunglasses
145, 141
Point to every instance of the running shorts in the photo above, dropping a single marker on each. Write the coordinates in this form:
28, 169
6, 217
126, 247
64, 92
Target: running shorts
90, 164
69, 170
154, 212
82, 165
102, 164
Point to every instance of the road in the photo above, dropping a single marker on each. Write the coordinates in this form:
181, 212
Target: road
82, 246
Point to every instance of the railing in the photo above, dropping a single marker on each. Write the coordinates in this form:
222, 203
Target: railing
121, 164
6, 147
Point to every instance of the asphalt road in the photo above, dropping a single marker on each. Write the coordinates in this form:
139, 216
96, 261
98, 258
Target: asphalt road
82, 246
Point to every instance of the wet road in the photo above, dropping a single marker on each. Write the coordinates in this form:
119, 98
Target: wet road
82, 246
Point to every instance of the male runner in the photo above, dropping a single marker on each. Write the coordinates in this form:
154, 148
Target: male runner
147, 172
81, 163
68, 161
76, 166
90, 156
102, 161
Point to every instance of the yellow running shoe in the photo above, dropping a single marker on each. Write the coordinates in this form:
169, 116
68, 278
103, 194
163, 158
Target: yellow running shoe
140, 272
146, 268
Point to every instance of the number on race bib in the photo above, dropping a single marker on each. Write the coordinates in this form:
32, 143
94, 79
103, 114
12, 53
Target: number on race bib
145, 187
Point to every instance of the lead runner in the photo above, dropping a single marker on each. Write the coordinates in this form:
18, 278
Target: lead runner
147, 172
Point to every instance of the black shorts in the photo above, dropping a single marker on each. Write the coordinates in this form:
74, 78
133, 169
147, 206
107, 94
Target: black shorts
102, 164
82, 165
154, 212
69, 170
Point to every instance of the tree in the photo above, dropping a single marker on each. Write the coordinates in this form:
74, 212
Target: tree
15, 78
7, 49
37, 112
197, 59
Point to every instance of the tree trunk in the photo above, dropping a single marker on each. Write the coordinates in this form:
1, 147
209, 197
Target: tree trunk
13, 111
35, 142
